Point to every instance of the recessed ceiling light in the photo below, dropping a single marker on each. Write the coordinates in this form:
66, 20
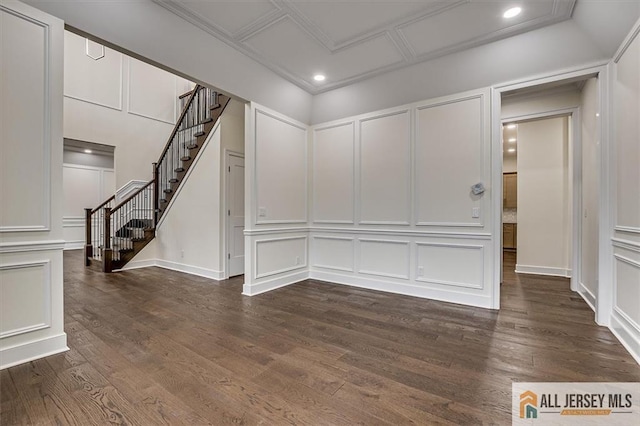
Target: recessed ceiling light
511, 126
512, 13
512, 139
511, 150
87, 151
319, 77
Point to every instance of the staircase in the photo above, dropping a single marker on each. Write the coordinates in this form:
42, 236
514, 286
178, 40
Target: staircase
116, 233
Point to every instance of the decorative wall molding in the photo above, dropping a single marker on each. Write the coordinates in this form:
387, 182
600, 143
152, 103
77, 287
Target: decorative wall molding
275, 283
73, 222
349, 240
588, 296
117, 107
371, 231
74, 245
26, 246
406, 260
302, 265
46, 126
174, 114
627, 229
626, 244
481, 274
45, 265
290, 122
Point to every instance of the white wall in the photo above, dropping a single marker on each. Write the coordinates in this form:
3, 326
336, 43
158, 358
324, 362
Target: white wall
31, 281
543, 197
588, 275
276, 200
625, 319
391, 201
190, 234
178, 45
121, 102
83, 187
386, 208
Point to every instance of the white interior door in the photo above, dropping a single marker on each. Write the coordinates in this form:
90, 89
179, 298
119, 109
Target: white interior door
235, 214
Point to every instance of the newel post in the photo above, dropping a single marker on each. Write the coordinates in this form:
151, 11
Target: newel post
88, 247
107, 253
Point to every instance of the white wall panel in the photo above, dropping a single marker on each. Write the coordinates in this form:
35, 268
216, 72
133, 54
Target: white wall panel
456, 265
82, 189
385, 169
450, 142
24, 123
153, 92
627, 117
281, 170
333, 174
25, 297
97, 81
385, 258
280, 255
333, 253
627, 278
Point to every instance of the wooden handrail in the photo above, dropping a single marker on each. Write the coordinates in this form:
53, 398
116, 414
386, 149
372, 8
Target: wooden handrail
177, 126
103, 204
113, 210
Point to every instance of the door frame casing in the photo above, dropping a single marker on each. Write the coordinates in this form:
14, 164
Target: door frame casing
228, 153
601, 70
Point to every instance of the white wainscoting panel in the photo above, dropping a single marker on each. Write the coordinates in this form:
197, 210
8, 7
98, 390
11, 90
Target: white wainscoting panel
385, 169
627, 279
25, 297
152, 92
280, 170
384, 258
333, 174
335, 253
25, 149
279, 255
450, 140
456, 265
96, 81
82, 189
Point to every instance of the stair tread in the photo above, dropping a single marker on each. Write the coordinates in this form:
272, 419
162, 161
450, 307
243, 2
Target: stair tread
179, 169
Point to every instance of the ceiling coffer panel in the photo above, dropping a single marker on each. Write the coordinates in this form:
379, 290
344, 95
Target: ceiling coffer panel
353, 40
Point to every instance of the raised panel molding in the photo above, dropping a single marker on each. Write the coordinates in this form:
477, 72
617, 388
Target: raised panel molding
627, 229
351, 181
480, 158
280, 269
256, 181
45, 143
462, 266
402, 259
116, 107
44, 319
349, 260
174, 104
407, 139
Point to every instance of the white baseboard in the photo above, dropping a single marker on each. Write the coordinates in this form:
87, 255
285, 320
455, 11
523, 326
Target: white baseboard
543, 270
73, 245
404, 289
627, 333
587, 295
30, 351
175, 266
274, 283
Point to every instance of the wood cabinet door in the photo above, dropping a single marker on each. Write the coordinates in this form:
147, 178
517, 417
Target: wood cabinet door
510, 191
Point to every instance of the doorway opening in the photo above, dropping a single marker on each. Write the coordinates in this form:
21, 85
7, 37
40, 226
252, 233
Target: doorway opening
550, 168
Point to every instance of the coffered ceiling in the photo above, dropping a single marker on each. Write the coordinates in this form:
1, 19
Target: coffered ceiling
352, 40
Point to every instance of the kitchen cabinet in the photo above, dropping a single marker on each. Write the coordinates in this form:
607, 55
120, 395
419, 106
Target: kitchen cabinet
510, 235
510, 191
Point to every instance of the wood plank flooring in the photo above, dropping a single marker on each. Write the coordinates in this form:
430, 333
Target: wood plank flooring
152, 346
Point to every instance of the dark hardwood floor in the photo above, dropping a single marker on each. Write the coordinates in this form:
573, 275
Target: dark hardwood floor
152, 346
